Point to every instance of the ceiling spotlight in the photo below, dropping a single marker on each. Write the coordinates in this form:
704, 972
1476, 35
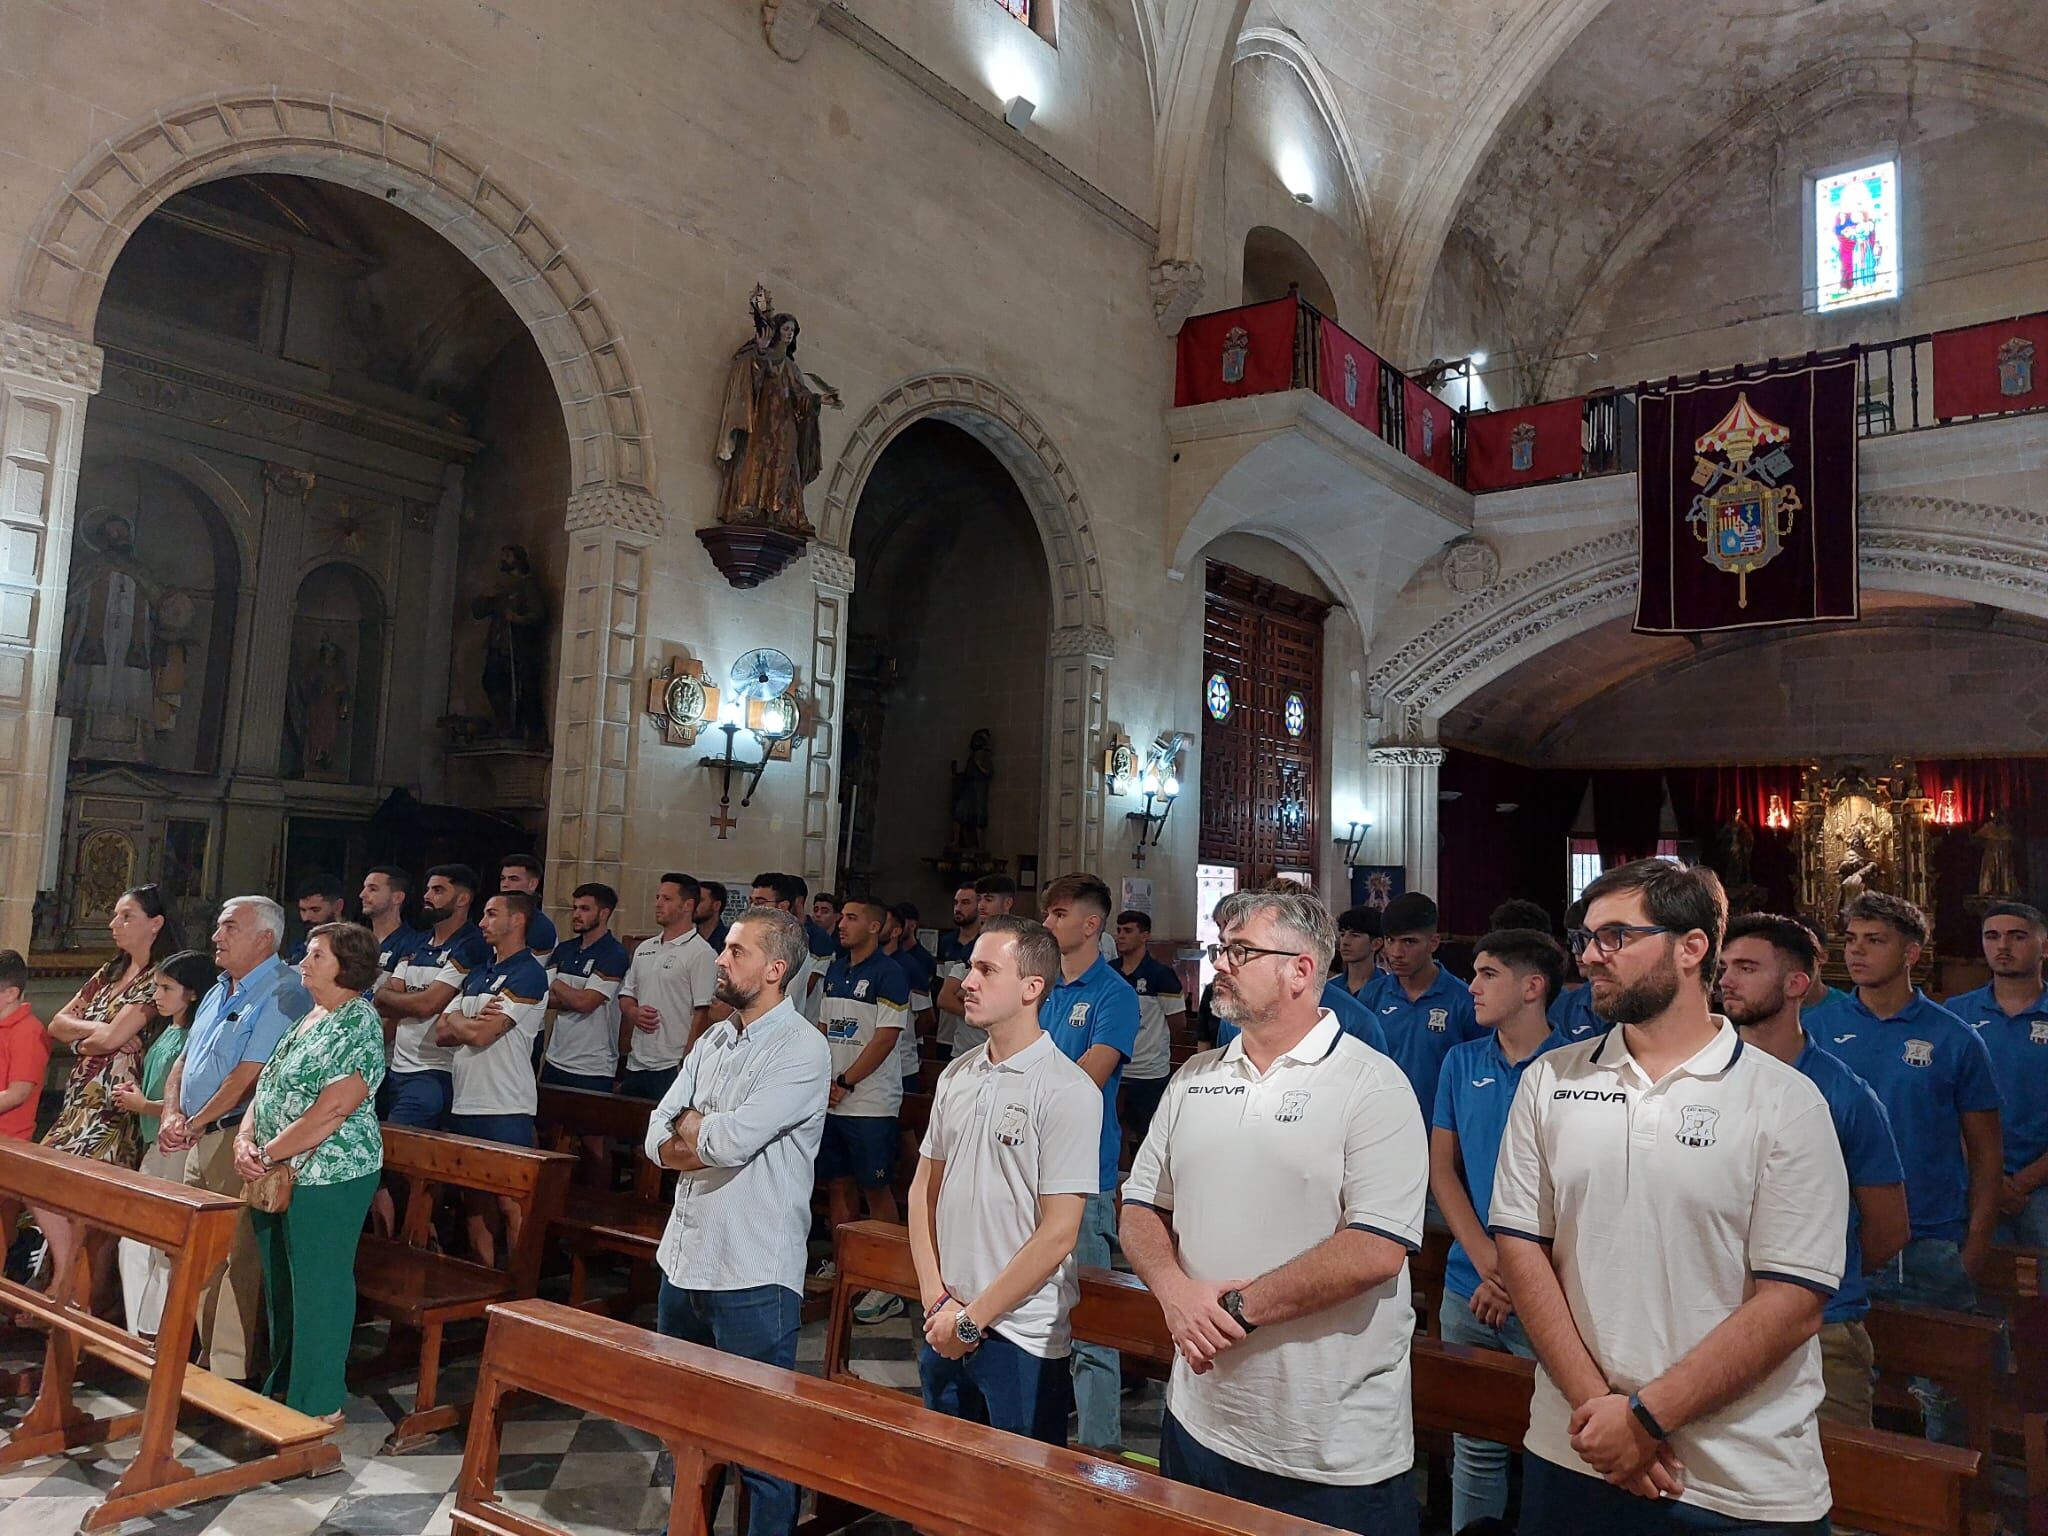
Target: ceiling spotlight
1017, 111
1304, 197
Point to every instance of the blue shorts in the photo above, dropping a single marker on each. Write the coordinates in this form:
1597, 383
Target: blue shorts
1001, 1385
512, 1130
1372, 1509
647, 1082
419, 1100
859, 1147
552, 1076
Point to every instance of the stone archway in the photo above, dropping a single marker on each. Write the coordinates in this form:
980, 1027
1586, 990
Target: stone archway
1080, 646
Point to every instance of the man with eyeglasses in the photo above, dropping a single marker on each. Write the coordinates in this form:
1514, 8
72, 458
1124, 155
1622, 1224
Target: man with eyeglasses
1668, 1213
1272, 1210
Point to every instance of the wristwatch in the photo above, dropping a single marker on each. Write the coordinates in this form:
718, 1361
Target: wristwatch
841, 1082
1233, 1303
1646, 1418
966, 1330
263, 1156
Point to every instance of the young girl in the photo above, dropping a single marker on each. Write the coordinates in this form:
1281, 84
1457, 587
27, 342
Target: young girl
181, 981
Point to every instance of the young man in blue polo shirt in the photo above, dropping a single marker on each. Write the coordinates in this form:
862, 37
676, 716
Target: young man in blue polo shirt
1933, 1076
2010, 1015
1423, 1008
1358, 950
899, 943
382, 899
1092, 1016
955, 949
1161, 999
1515, 973
1571, 1011
320, 900
417, 1090
1768, 964
521, 872
587, 971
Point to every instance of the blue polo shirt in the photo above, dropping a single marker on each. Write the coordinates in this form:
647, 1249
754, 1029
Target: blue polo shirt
2018, 1043
1098, 1009
575, 961
1422, 1031
1868, 1152
1474, 1093
1571, 1015
1353, 1017
1929, 1069
396, 947
238, 1022
917, 965
541, 936
823, 941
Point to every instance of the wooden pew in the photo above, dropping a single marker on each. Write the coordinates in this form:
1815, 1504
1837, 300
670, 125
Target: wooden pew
1957, 1350
195, 1228
856, 1448
2011, 1273
626, 1224
421, 1291
1891, 1484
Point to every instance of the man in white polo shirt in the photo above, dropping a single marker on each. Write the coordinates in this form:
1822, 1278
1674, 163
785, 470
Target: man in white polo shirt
1272, 1210
1006, 1168
666, 997
1668, 1213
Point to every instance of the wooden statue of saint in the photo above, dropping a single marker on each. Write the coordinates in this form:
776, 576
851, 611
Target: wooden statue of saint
768, 441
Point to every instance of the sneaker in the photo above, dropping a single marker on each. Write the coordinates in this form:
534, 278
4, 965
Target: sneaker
878, 1307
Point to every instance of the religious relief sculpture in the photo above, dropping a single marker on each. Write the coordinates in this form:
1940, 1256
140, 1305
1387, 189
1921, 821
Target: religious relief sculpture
1997, 877
126, 640
970, 793
1734, 846
1857, 834
317, 713
768, 449
515, 647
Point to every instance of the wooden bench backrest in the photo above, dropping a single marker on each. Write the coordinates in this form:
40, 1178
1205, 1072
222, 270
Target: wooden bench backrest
2011, 1272
432, 1160
877, 1451
567, 1115
120, 1200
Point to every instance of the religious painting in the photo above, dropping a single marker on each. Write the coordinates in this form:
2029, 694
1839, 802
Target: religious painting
1375, 885
1856, 236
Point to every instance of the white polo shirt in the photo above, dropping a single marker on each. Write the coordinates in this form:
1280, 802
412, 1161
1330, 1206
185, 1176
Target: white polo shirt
497, 1079
1008, 1133
1252, 1172
1663, 1202
675, 977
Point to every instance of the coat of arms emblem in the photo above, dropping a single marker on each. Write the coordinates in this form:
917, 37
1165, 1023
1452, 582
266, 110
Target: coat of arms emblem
1010, 1129
1428, 431
2037, 1032
1744, 508
1439, 1019
1351, 382
1293, 1105
1237, 344
1696, 1125
1522, 447
2016, 367
1919, 1053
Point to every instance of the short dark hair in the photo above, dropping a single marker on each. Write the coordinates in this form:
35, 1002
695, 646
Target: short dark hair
879, 910
1787, 935
515, 901
1134, 916
716, 890
399, 880
1526, 950
458, 874
786, 887
1520, 912
906, 913
834, 901
14, 970
1680, 897
995, 885
354, 949
1082, 890
1365, 920
1410, 912
2019, 909
1904, 918
603, 895
327, 886
685, 884
526, 861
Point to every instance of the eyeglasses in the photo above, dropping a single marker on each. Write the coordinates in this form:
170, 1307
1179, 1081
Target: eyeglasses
1240, 954
1611, 938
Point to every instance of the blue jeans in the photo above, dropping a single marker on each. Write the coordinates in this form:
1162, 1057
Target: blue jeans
1929, 1273
1371, 1509
1479, 1468
2029, 1229
1098, 1373
1557, 1502
757, 1323
1000, 1385
647, 1082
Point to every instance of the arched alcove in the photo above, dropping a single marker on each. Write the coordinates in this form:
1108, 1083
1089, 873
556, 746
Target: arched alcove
335, 687
1275, 263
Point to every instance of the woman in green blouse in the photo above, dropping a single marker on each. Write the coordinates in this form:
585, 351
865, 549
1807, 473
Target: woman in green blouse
313, 1108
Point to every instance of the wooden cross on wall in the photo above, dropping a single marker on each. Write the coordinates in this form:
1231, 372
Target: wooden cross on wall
680, 702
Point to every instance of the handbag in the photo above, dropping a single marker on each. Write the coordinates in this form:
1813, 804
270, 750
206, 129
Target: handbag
271, 1193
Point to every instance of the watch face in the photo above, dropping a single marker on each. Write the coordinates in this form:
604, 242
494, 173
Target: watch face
684, 700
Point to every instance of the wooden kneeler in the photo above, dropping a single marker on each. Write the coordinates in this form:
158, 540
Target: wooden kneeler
195, 1228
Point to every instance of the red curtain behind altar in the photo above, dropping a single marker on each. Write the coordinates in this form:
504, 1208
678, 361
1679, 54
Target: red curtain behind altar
1487, 854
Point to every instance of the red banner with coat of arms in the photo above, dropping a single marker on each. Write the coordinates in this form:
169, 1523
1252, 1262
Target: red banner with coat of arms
1982, 370
1351, 374
1427, 427
1247, 351
1519, 447
1746, 502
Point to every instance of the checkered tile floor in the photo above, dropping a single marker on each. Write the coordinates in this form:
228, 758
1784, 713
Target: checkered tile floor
558, 1464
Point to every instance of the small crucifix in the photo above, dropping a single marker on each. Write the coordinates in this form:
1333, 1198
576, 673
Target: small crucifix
723, 819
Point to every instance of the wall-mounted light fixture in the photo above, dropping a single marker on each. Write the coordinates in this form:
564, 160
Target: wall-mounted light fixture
760, 703
1351, 838
1158, 780
1017, 111
1161, 790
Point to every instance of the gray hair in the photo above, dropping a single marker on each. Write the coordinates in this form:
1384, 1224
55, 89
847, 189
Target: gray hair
782, 938
1294, 912
269, 915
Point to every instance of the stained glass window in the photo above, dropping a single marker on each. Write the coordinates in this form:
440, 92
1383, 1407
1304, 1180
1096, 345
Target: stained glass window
1295, 715
1021, 9
1856, 236
1219, 696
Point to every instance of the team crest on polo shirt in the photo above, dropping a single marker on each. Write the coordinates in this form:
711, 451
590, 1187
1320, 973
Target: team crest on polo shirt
1293, 1105
1696, 1125
1919, 1053
860, 990
1010, 1129
1077, 1016
1439, 1019
2037, 1032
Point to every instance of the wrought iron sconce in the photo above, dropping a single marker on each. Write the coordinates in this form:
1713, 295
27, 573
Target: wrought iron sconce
1160, 790
1351, 839
773, 723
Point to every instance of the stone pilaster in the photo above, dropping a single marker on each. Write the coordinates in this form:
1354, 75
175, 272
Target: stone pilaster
832, 578
1404, 784
1079, 656
266, 645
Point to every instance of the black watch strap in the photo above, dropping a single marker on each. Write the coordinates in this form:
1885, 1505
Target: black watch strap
1233, 1303
1646, 1418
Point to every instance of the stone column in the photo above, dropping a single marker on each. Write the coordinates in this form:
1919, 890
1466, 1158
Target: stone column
267, 645
599, 687
45, 381
832, 576
1080, 655
1404, 786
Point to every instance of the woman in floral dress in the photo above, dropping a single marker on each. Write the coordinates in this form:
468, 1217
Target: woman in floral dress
314, 1108
109, 1024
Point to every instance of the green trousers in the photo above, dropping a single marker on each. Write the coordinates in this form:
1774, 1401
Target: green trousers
309, 1291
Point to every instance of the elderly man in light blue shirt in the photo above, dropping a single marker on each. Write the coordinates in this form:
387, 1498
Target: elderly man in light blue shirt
234, 1029
741, 1123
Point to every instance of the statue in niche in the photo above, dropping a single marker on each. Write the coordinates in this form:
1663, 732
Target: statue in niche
1860, 869
768, 444
1996, 875
1734, 844
317, 712
516, 610
970, 792
125, 645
